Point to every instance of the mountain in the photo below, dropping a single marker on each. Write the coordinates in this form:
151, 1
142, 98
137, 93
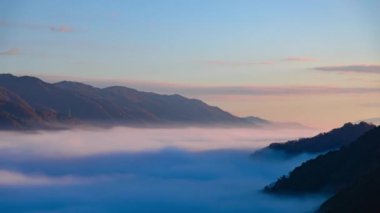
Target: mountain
323, 142
362, 196
15, 111
40, 102
334, 170
257, 121
273, 124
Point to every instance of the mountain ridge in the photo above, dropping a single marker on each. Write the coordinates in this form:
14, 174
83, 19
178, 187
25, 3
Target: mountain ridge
334, 170
323, 142
68, 101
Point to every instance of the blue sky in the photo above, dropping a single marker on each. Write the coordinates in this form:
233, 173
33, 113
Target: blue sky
208, 43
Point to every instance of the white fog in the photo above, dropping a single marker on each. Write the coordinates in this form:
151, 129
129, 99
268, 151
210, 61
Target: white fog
145, 170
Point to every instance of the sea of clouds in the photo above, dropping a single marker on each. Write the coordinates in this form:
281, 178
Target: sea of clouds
145, 170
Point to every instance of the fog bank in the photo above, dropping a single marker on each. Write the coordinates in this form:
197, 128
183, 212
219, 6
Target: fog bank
124, 139
144, 170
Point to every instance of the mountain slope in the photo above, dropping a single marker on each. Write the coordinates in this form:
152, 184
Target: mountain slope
335, 170
15, 112
44, 96
323, 142
113, 105
258, 121
362, 196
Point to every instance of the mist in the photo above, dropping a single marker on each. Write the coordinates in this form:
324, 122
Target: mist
145, 170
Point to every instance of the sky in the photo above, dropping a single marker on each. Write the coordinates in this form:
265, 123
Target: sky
314, 62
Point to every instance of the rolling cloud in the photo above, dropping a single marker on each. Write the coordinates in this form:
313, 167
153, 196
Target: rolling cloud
375, 69
104, 171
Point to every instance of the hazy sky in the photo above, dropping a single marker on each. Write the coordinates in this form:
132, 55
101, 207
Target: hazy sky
316, 62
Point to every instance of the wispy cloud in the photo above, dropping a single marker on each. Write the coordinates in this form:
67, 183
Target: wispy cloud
30, 26
238, 63
62, 29
276, 90
197, 89
300, 59
266, 62
361, 68
10, 52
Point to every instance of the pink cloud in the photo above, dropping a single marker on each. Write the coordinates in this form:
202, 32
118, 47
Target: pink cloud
300, 59
361, 68
12, 51
268, 62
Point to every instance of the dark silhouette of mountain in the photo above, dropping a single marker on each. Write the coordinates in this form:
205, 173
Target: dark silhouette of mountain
323, 142
362, 196
65, 101
334, 170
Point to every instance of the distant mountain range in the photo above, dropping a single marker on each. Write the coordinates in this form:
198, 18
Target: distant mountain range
352, 172
28, 102
323, 142
273, 124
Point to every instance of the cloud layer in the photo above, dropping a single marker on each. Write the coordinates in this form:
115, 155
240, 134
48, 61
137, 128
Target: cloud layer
231, 63
72, 143
243, 90
143, 170
374, 69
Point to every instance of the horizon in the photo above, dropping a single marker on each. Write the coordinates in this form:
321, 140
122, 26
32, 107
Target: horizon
143, 87
316, 63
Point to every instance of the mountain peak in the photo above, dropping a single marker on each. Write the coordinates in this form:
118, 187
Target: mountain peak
7, 75
72, 85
